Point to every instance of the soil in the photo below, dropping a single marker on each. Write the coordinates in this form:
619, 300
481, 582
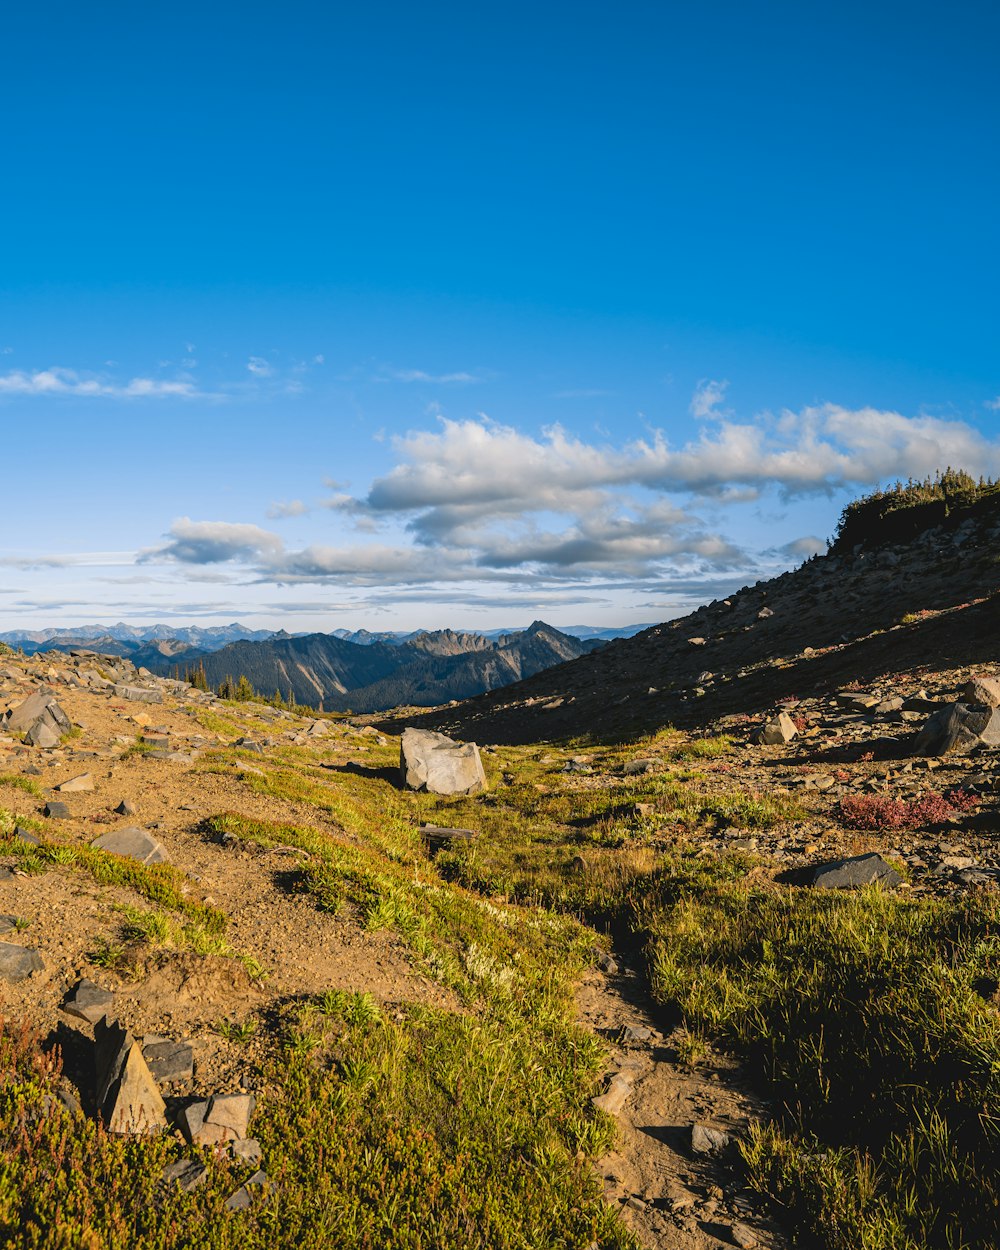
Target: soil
668, 1195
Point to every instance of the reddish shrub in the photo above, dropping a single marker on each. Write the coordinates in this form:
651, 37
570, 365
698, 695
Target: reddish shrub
881, 811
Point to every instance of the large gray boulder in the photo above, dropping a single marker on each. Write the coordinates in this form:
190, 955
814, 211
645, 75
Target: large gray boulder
958, 729
128, 1096
433, 762
858, 870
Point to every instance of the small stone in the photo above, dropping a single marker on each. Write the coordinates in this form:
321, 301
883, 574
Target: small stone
241, 1200
245, 1150
125, 808
982, 690
56, 810
17, 963
88, 1001
186, 1173
191, 1119
25, 835
777, 731
706, 1140
743, 1237
7, 923
616, 1095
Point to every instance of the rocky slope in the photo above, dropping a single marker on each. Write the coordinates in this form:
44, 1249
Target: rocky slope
860, 615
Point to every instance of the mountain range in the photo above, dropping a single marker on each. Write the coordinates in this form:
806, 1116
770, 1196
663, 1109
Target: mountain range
424, 670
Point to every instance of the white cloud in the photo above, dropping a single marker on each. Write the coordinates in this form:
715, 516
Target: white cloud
259, 367
294, 507
58, 382
419, 375
214, 542
708, 398
474, 501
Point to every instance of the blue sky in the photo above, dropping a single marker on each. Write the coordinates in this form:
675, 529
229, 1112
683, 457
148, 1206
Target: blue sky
411, 315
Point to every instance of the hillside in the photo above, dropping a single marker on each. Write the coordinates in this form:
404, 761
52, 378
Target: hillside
854, 614
424, 670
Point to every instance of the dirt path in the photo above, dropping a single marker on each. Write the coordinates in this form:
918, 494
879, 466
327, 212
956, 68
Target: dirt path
672, 1197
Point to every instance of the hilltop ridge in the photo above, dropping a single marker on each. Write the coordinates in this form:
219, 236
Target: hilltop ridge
852, 614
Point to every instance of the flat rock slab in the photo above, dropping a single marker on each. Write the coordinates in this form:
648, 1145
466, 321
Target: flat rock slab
85, 781
137, 694
241, 1200
56, 810
132, 843
17, 963
88, 1001
438, 764
188, 1174
25, 835
7, 923
169, 1061
858, 870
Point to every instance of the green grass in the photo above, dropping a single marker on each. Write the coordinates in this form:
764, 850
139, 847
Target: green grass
18, 782
873, 1017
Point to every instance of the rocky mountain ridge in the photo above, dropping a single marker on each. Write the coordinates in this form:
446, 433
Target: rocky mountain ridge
428, 669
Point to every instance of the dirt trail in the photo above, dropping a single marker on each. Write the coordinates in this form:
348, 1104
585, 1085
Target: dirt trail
671, 1197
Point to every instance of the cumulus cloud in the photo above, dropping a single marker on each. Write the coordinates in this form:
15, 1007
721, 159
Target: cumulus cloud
214, 542
59, 382
475, 501
259, 367
708, 398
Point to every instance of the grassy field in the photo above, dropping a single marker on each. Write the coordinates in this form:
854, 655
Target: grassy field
871, 1018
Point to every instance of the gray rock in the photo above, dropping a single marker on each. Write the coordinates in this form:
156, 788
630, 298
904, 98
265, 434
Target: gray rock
246, 1150
231, 1111
615, 1096
706, 1140
132, 843
858, 870
41, 706
430, 761
88, 1001
128, 1097
56, 810
25, 835
7, 923
636, 768
241, 1200
191, 1119
186, 1173
777, 731
982, 690
125, 808
41, 734
137, 694
743, 1237
169, 1061
17, 963
957, 729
